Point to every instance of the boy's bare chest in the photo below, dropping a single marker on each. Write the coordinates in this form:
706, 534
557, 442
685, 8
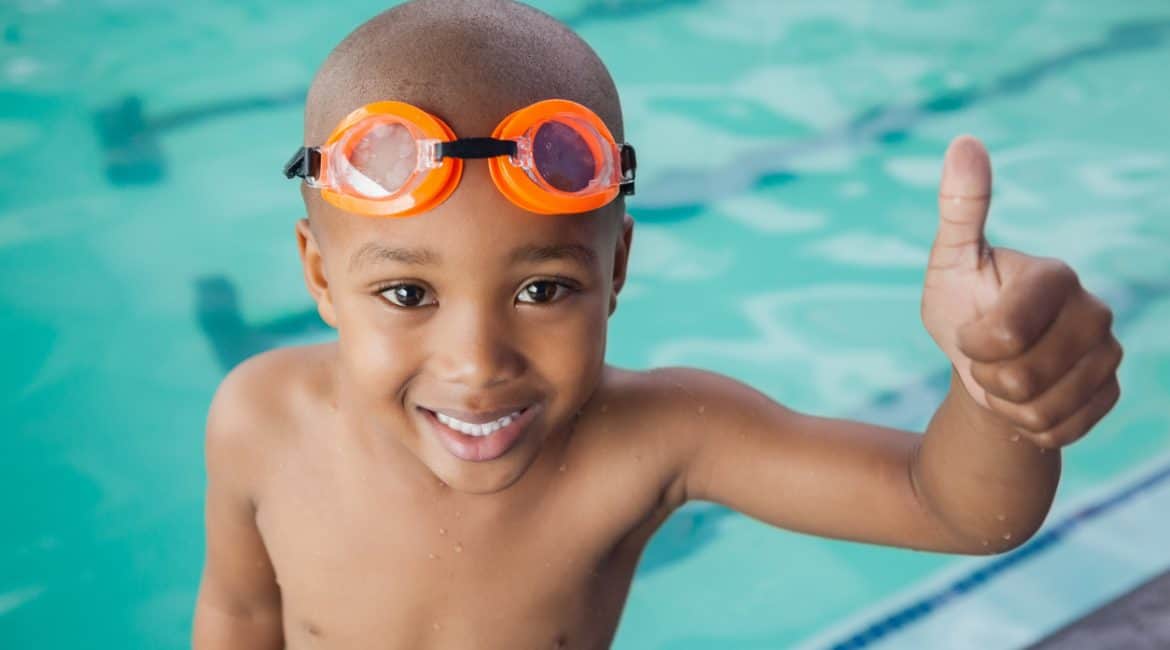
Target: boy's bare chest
361, 564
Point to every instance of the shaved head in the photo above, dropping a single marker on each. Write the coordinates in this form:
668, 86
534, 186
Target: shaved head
470, 62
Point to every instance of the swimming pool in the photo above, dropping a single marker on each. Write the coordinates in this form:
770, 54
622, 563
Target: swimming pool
788, 160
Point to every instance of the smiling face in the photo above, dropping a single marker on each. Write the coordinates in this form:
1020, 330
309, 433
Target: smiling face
471, 333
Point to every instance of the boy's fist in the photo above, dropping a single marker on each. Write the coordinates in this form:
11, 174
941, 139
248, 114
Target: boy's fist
1028, 341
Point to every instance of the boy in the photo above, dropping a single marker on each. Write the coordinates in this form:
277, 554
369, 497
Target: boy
460, 469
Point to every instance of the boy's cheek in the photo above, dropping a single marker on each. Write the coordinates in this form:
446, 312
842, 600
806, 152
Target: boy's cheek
376, 359
571, 355
381, 351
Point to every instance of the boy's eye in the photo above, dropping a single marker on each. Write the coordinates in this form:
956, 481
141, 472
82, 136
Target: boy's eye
407, 295
542, 291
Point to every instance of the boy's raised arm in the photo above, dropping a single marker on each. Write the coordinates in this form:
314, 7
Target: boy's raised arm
1035, 367
831, 477
239, 600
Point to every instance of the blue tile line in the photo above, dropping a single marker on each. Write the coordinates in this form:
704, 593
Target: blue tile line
964, 586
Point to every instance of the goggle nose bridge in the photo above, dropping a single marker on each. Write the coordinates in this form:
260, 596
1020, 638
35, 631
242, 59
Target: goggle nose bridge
475, 148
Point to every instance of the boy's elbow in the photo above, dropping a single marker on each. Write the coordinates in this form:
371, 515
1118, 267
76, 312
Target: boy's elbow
998, 539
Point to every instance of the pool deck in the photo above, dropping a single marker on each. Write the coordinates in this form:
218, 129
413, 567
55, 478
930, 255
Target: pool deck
1138, 620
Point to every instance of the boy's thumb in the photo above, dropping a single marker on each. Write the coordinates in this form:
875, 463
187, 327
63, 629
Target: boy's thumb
963, 198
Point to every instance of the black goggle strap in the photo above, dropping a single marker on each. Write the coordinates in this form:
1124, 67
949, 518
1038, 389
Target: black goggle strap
629, 166
305, 163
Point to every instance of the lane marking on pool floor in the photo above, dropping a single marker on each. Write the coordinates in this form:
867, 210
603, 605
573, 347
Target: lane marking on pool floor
1112, 539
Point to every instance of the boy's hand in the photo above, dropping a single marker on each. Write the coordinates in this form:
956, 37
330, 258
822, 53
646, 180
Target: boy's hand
1028, 341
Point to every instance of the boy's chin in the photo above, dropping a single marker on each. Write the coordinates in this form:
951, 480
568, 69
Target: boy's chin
486, 477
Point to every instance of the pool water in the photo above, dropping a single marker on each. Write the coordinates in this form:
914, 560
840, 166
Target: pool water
789, 156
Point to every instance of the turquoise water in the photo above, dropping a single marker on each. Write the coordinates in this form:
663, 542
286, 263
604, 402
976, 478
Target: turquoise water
788, 159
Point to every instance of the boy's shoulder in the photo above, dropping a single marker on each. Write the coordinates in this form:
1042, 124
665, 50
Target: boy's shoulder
673, 408
660, 419
265, 401
670, 392
276, 384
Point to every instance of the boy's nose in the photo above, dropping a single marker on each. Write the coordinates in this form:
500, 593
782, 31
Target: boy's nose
476, 351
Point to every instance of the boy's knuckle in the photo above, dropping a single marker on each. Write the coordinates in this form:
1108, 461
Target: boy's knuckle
1035, 419
1010, 338
1061, 274
1046, 440
1099, 318
1116, 351
1018, 382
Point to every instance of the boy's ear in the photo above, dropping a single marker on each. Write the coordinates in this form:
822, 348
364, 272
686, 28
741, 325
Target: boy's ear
313, 266
621, 260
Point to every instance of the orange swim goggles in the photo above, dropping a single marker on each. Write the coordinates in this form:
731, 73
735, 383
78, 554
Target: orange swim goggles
391, 159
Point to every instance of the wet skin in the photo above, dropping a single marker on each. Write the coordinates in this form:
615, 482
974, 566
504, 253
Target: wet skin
340, 514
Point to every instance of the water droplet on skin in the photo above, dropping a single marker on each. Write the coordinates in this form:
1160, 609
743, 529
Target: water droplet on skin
561, 468
1007, 535
1043, 450
604, 408
436, 626
1015, 438
984, 542
458, 547
1001, 517
442, 531
701, 409
458, 514
432, 556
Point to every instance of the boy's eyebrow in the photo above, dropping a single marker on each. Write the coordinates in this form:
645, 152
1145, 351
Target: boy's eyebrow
373, 252
534, 253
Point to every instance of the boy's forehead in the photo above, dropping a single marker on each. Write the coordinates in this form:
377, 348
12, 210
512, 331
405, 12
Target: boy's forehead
452, 230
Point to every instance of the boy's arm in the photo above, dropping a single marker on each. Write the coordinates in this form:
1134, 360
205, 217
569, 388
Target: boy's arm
1035, 365
238, 606
963, 487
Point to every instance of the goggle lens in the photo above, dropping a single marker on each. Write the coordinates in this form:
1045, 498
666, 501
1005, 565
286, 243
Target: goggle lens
562, 157
381, 161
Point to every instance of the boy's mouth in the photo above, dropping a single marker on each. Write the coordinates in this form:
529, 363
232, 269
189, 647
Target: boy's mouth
479, 436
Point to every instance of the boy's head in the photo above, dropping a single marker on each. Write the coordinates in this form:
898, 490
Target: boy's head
475, 309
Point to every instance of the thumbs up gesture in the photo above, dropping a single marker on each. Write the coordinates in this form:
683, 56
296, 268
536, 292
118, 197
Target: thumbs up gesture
1029, 343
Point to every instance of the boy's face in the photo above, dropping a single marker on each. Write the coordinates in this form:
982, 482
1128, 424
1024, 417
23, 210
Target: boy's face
476, 310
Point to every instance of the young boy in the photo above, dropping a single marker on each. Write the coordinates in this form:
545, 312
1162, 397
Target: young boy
461, 469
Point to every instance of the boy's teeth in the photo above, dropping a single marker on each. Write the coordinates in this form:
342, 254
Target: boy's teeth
468, 428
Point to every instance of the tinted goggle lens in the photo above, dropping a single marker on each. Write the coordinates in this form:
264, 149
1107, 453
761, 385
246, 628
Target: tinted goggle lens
563, 157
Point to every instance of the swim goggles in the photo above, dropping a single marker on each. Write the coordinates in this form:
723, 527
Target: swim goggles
391, 159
